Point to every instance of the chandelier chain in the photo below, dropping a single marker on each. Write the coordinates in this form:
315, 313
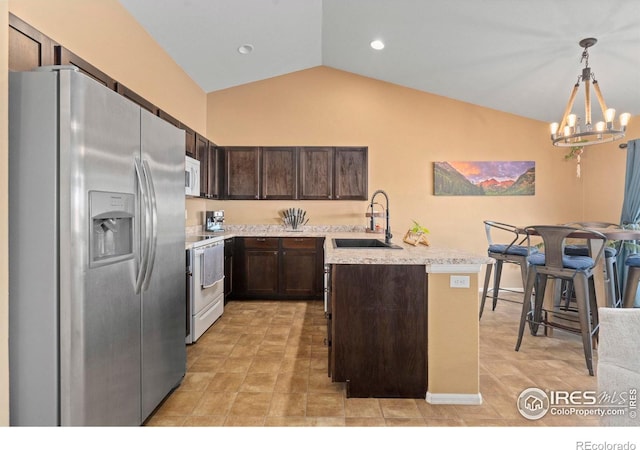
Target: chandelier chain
585, 57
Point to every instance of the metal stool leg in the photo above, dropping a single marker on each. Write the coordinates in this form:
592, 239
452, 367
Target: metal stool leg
631, 287
485, 290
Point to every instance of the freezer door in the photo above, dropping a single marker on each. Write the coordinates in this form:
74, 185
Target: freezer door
33, 249
100, 312
163, 289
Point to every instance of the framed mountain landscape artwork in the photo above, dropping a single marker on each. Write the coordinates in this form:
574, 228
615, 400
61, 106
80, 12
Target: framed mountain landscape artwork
484, 178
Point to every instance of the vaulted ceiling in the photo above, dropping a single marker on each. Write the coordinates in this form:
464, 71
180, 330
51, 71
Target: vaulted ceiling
517, 56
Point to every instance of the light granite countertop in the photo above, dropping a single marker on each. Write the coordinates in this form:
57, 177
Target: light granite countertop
407, 255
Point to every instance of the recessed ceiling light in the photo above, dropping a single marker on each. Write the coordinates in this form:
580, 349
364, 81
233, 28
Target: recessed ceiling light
377, 44
245, 49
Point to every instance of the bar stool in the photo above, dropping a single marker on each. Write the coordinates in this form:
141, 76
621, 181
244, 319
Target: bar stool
633, 278
556, 265
511, 253
614, 297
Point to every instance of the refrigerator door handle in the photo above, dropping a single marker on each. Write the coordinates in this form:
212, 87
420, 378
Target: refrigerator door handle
144, 258
153, 237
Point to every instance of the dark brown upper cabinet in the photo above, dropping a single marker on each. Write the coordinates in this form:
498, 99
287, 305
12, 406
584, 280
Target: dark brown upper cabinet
28, 48
295, 173
315, 180
350, 181
169, 118
279, 173
64, 57
207, 153
242, 173
190, 144
202, 155
136, 98
213, 172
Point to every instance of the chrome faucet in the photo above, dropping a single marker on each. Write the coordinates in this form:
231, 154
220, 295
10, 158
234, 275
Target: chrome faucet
387, 230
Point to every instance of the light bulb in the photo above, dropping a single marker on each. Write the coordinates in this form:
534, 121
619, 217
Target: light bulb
624, 119
600, 126
567, 130
609, 114
554, 128
377, 44
571, 120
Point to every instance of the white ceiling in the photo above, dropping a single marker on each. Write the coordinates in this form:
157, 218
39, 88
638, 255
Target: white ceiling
518, 56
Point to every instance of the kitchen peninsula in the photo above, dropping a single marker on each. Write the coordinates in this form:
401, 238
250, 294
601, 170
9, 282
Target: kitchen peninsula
400, 322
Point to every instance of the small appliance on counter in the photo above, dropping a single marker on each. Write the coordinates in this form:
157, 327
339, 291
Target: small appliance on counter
214, 220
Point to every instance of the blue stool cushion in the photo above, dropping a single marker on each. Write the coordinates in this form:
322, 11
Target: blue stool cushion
583, 250
519, 250
633, 261
568, 262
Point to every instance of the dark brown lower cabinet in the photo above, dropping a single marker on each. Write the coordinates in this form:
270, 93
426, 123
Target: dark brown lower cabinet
378, 335
277, 268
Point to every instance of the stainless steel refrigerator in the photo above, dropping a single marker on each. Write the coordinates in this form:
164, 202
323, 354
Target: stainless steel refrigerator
96, 253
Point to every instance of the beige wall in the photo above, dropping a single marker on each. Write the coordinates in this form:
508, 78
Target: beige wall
103, 33
4, 218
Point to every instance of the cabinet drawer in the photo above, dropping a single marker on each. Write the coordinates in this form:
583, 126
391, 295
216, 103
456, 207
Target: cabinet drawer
261, 243
308, 242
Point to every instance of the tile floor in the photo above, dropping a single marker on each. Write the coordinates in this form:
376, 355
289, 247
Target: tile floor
264, 363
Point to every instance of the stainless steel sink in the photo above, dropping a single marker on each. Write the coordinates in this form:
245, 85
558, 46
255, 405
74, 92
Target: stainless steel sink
362, 243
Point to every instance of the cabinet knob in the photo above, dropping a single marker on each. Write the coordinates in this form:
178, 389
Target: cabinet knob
257, 197
337, 196
261, 239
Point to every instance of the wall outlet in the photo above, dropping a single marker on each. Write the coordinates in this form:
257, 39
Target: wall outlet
459, 281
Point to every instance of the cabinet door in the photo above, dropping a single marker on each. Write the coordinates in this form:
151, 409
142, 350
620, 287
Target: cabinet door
213, 171
242, 173
169, 118
136, 98
350, 173
316, 173
278, 173
67, 58
299, 273
202, 155
28, 48
261, 268
299, 263
190, 143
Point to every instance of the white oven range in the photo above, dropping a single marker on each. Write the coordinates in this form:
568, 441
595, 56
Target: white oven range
206, 290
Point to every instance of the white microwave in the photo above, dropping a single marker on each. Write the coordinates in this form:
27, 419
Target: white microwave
192, 177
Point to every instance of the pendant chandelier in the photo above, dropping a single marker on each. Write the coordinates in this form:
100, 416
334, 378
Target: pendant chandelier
569, 132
